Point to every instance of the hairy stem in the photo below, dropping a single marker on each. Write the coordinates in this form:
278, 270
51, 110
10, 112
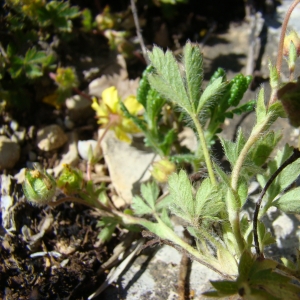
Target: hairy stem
205, 150
255, 134
232, 206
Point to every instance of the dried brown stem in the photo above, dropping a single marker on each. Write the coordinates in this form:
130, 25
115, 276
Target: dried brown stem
138, 30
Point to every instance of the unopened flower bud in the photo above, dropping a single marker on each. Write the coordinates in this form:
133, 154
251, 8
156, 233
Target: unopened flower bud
291, 37
38, 186
162, 170
70, 181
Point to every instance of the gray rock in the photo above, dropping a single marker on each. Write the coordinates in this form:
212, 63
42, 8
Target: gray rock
128, 166
50, 138
79, 108
9, 153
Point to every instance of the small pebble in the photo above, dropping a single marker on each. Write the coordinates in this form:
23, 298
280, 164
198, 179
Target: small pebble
50, 138
9, 153
31, 132
14, 125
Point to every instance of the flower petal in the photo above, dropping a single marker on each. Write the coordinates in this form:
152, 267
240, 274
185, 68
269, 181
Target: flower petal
121, 135
110, 98
133, 105
128, 126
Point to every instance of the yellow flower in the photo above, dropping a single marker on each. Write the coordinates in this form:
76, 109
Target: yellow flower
111, 116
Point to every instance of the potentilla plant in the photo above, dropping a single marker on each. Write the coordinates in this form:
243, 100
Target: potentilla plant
225, 241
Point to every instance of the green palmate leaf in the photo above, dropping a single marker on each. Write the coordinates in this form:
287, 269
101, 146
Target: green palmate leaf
210, 94
275, 284
288, 175
273, 165
289, 202
58, 14
223, 176
167, 80
246, 107
33, 56
246, 230
165, 218
265, 238
164, 203
261, 151
261, 110
183, 158
260, 265
106, 233
108, 227
193, 63
276, 110
154, 105
146, 205
33, 71
245, 266
288, 263
31, 64
140, 207
16, 67
227, 261
232, 150
208, 200
150, 193
274, 78
182, 196
292, 56
168, 141
144, 86
289, 96
258, 294
87, 19
225, 288
229, 150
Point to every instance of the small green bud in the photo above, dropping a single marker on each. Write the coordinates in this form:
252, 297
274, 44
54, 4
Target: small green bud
65, 78
38, 186
70, 181
162, 170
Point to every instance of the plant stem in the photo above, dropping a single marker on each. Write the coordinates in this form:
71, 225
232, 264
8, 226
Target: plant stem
232, 207
255, 134
205, 150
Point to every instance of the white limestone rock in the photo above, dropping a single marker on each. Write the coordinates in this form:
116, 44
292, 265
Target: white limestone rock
51, 137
